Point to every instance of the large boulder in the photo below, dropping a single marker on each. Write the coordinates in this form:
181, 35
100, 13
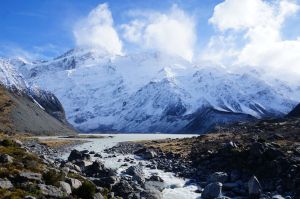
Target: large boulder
51, 191
5, 184
30, 176
97, 169
151, 194
212, 190
77, 155
65, 187
218, 177
146, 153
4, 159
254, 187
75, 184
137, 174
123, 189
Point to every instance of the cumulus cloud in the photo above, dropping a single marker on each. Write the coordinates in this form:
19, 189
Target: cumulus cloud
172, 33
97, 31
257, 28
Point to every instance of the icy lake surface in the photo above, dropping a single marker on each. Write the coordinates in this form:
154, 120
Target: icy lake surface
176, 188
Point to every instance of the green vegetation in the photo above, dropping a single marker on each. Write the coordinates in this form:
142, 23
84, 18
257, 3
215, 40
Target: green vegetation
86, 191
52, 177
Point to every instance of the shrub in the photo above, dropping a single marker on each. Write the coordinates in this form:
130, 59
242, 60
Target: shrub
7, 143
86, 190
52, 177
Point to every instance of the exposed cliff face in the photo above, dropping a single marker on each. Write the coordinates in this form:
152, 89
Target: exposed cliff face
152, 92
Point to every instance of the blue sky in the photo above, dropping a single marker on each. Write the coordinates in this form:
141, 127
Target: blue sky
264, 34
45, 27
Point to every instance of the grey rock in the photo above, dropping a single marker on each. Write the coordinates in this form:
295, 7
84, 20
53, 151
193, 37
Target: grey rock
212, 190
29, 176
4, 158
137, 173
5, 184
98, 196
75, 184
149, 154
78, 155
218, 177
72, 166
29, 197
254, 187
49, 190
156, 178
277, 197
151, 194
65, 187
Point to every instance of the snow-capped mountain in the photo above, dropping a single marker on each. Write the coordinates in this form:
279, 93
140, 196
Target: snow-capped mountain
11, 78
149, 92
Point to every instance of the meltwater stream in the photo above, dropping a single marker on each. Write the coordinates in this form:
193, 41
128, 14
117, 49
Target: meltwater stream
176, 187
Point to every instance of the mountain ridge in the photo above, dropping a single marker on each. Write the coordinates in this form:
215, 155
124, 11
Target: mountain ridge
136, 92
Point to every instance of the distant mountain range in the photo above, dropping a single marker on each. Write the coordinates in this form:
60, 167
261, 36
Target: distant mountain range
147, 92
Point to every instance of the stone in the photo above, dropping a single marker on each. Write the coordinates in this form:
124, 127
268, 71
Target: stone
137, 173
4, 158
97, 169
77, 155
218, 177
277, 197
98, 196
65, 187
106, 181
29, 197
98, 155
51, 191
92, 152
5, 184
30, 176
149, 155
254, 187
75, 184
212, 190
146, 153
156, 178
151, 194
123, 189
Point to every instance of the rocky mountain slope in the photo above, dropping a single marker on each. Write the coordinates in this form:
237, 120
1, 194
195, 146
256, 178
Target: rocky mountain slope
150, 92
295, 112
28, 110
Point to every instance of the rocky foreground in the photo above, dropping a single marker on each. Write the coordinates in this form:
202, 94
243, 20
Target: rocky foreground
254, 160
31, 170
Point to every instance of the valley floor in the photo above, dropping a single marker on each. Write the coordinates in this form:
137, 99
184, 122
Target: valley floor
258, 160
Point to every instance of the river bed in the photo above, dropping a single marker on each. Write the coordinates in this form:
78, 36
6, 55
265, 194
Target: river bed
176, 188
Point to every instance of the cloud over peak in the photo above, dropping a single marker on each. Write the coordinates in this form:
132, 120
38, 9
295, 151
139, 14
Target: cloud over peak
97, 31
255, 29
173, 32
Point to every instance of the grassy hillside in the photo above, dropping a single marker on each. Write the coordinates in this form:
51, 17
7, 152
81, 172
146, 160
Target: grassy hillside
20, 114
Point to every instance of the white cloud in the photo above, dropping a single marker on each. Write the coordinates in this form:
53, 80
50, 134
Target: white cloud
257, 27
172, 33
97, 31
